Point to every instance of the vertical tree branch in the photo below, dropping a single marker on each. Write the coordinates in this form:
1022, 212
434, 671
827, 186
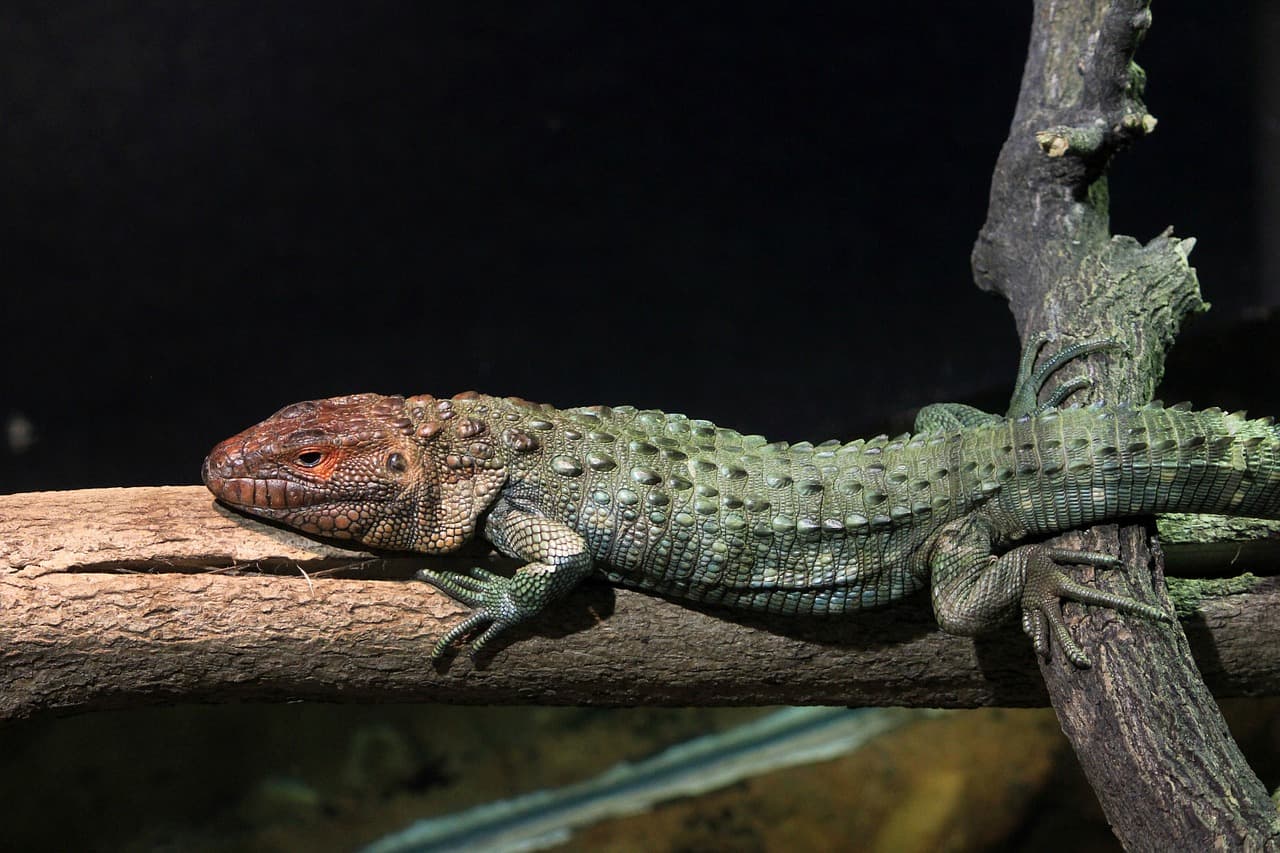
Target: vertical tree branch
1148, 734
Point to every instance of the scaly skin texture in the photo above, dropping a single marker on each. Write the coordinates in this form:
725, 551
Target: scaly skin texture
681, 507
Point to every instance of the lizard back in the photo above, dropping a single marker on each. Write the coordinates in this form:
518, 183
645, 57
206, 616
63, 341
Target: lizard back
682, 507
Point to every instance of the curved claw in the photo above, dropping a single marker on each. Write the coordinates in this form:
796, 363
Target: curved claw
1046, 587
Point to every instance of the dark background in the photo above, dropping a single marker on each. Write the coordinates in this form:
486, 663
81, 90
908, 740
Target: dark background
757, 215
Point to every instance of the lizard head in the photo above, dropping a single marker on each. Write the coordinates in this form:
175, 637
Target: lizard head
365, 468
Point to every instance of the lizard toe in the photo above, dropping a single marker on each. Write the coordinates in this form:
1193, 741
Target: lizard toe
467, 588
1046, 587
457, 632
491, 595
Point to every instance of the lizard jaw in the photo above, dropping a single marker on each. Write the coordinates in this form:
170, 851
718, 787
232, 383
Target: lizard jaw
249, 493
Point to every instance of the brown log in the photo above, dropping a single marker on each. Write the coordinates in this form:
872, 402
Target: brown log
126, 597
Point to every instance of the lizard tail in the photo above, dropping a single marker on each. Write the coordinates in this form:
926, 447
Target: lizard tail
1085, 465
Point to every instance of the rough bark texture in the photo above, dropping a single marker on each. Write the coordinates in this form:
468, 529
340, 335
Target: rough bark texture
106, 600
1147, 732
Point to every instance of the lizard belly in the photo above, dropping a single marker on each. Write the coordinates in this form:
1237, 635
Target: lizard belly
762, 564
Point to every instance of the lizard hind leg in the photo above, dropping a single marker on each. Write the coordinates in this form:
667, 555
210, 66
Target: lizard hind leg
1032, 380
973, 590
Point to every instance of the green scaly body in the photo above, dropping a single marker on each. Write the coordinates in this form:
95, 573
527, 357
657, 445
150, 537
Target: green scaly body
693, 511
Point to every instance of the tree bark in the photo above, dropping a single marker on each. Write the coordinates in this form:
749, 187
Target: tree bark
1145, 728
125, 597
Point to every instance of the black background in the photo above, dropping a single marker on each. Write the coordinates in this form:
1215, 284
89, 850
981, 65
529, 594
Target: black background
747, 212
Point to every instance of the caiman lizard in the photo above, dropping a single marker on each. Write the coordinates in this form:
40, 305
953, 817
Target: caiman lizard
681, 507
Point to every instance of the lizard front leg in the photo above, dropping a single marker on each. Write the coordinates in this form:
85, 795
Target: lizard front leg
973, 590
558, 561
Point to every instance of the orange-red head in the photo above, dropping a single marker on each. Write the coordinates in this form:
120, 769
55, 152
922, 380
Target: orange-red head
366, 468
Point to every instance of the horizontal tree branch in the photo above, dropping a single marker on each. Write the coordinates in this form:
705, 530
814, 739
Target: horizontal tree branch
124, 597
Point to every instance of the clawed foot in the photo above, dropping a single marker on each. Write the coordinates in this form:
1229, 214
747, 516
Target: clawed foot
488, 592
1046, 586
1031, 380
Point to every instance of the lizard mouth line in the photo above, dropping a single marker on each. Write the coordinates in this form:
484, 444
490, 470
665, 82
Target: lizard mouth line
262, 494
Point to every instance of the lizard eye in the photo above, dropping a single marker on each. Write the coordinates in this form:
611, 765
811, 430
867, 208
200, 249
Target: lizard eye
395, 462
310, 458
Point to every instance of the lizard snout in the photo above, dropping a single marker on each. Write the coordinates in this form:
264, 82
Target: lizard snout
240, 475
223, 463
223, 472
